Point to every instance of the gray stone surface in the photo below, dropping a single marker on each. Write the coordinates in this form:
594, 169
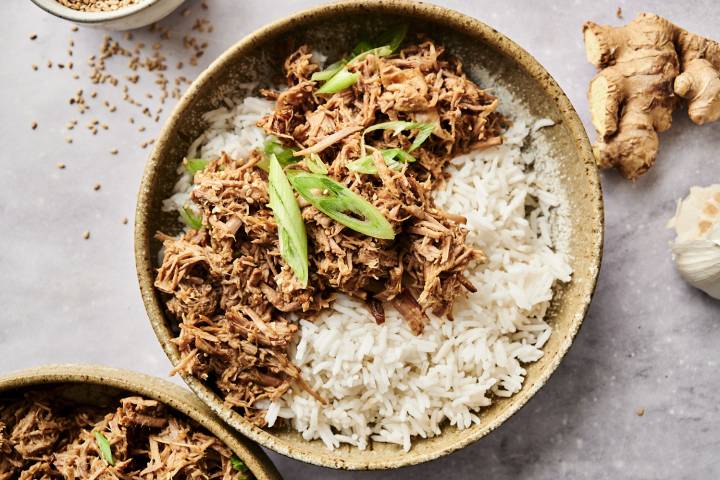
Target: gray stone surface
650, 342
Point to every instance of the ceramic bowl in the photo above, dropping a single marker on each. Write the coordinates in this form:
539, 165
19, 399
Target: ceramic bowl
333, 29
94, 385
141, 14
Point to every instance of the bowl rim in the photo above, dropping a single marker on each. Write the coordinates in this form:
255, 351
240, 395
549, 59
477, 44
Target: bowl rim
433, 13
174, 396
54, 7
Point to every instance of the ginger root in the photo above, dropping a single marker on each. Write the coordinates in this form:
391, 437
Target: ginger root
646, 66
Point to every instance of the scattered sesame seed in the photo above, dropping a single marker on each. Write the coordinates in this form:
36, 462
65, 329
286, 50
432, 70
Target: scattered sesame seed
33, 36
68, 139
97, 187
34, 125
74, 28
640, 412
86, 235
34, 67
125, 220
114, 151
60, 165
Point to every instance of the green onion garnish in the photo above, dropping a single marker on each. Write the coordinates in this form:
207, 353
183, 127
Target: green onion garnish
291, 229
339, 82
392, 37
329, 71
190, 218
334, 200
337, 75
315, 164
424, 131
283, 154
194, 165
383, 51
362, 46
366, 164
238, 464
104, 447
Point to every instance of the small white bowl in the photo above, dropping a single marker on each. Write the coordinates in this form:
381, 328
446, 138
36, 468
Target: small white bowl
138, 15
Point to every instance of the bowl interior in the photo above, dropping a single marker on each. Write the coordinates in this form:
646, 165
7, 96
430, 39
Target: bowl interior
333, 29
102, 387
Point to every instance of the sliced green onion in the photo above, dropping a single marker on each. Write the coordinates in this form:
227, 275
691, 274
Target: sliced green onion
337, 75
315, 164
366, 164
190, 218
392, 37
194, 165
424, 131
383, 51
339, 82
362, 46
238, 464
329, 71
334, 200
291, 228
283, 154
104, 447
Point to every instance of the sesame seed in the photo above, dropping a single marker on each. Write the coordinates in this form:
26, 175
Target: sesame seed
33, 36
60, 165
97, 187
34, 67
114, 151
34, 125
68, 139
86, 235
125, 220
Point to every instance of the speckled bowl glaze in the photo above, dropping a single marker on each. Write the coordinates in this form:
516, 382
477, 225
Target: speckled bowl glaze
141, 14
334, 28
95, 385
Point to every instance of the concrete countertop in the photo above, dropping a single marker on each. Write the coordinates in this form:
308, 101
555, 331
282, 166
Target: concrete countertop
650, 343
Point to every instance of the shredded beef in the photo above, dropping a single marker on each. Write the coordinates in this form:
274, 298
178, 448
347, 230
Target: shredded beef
229, 287
43, 436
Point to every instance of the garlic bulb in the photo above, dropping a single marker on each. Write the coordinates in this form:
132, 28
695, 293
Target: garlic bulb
696, 249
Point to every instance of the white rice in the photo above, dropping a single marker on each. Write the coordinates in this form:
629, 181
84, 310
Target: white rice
386, 384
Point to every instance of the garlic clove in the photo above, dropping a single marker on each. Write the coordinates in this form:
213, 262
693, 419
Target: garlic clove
696, 250
697, 214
